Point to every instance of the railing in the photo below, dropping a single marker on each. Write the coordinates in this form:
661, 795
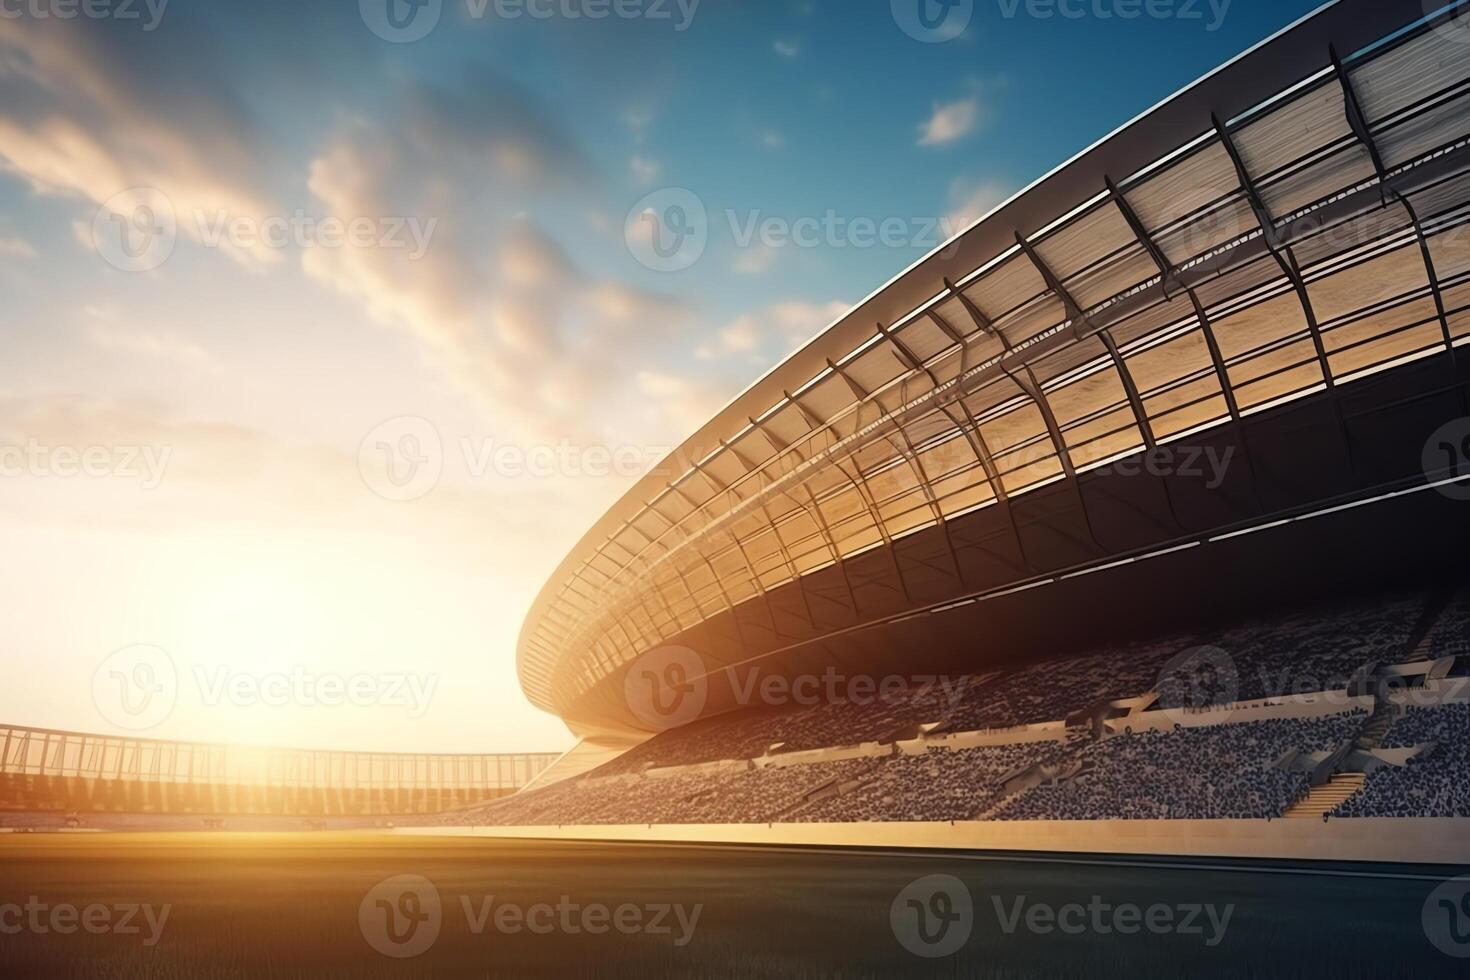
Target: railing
43, 752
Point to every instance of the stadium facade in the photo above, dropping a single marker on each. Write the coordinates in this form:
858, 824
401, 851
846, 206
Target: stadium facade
46, 771
999, 452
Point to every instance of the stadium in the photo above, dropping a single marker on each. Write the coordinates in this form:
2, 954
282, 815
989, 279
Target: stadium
1145, 495
1109, 559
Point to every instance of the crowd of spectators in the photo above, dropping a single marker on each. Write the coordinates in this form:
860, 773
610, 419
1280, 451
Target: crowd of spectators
1432, 785
1207, 773
749, 795
1319, 649
1451, 634
1054, 689
941, 784
873, 713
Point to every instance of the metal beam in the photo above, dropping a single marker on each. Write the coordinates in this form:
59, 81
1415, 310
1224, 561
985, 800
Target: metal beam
1357, 122
909, 358
1248, 184
1359, 125
1286, 259
837, 556
926, 485
860, 483
1034, 391
1439, 307
1074, 312
976, 314
1145, 428
976, 440
857, 390
1170, 282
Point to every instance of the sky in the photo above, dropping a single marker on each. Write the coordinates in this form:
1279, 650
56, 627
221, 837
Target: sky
330, 327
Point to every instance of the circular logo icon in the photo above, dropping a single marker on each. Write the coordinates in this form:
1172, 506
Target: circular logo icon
668, 230
1447, 457
1455, 27
401, 916
134, 230
1446, 917
666, 687
400, 21
933, 21
402, 459
136, 687
1195, 679
933, 916
1206, 232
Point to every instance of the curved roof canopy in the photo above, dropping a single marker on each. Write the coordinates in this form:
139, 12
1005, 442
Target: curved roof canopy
1288, 223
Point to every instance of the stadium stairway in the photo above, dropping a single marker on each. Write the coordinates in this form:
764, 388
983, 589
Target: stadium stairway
1421, 641
1321, 800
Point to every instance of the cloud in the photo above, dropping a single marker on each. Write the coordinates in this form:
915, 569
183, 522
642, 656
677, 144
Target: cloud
788, 49
495, 301
686, 402
971, 201
120, 339
645, 171
87, 116
755, 258
950, 121
17, 248
771, 333
217, 477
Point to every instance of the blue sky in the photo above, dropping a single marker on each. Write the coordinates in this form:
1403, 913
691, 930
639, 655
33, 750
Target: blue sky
260, 370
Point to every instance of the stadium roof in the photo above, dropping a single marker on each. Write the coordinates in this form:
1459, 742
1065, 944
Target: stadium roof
1289, 223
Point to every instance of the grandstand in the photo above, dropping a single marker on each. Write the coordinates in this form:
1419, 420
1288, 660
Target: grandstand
101, 779
1084, 743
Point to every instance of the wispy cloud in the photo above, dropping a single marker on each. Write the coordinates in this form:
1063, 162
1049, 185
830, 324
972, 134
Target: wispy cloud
17, 248
950, 121
969, 201
645, 170
771, 333
118, 338
788, 48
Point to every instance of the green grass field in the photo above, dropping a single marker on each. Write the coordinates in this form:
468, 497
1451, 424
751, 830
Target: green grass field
289, 905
